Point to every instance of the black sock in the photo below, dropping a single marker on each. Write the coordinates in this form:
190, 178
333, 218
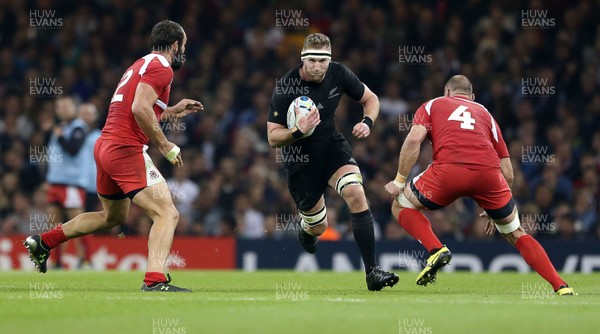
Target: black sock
362, 228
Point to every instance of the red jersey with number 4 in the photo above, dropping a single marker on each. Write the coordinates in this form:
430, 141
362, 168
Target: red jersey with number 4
462, 132
152, 69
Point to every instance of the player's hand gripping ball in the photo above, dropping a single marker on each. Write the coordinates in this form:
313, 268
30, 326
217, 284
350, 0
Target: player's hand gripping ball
303, 105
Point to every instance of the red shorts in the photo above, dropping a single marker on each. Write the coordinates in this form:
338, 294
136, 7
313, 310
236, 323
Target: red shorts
66, 197
440, 185
121, 169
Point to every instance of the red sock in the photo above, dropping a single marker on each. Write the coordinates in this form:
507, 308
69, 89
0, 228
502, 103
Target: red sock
536, 257
419, 227
54, 237
154, 277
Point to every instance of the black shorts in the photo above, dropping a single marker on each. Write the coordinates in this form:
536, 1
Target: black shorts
309, 168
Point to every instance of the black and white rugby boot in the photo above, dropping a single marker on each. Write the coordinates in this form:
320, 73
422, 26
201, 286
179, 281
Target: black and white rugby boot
37, 252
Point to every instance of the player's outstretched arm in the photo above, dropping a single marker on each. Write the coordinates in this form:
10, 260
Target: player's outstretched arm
370, 103
408, 157
181, 109
142, 105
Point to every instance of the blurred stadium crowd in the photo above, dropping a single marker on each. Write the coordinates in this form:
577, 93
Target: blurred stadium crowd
534, 64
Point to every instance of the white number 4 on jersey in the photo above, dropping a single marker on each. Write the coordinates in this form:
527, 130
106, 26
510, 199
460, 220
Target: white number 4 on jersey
464, 117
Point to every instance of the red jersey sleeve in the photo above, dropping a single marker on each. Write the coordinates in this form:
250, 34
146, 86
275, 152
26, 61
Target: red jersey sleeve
159, 77
422, 117
498, 141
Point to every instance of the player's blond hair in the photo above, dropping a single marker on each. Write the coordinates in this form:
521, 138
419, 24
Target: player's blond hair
459, 84
316, 41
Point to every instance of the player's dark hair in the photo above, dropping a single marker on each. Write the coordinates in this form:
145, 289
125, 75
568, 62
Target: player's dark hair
164, 34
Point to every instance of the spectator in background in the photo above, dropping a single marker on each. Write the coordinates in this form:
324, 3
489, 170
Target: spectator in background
184, 191
66, 195
19, 220
37, 212
391, 103
532, 221
89, 114
250, 222
565, 222
206, 216
559, 186
585, 210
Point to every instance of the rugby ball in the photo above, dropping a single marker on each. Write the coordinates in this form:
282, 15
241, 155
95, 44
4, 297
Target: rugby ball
304, 104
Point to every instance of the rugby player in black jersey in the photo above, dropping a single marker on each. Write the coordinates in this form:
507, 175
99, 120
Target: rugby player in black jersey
326, 157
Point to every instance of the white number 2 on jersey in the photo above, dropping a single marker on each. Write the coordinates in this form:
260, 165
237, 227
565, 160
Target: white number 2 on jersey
464, 117
119, 97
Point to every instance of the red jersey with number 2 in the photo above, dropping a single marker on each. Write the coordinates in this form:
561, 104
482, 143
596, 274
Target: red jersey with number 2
152, 69
462, 132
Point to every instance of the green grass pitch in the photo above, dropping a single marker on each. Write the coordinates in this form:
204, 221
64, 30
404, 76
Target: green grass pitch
289, 302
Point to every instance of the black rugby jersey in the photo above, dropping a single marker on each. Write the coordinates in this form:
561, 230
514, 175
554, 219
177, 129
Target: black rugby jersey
326, 95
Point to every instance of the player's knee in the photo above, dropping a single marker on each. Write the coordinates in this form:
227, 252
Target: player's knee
355, 196
349, 186
172, 214
319, 229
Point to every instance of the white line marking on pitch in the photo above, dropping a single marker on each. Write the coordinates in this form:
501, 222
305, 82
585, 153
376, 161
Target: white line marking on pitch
345, 300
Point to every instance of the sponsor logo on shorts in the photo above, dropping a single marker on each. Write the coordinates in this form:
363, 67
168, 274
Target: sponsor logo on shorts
153, 174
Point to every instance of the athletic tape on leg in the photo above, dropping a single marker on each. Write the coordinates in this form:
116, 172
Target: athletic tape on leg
313, 219
404, 202
511, 227
346, 180
172, 154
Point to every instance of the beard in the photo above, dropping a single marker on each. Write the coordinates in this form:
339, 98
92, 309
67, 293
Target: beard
178, 60
318, 77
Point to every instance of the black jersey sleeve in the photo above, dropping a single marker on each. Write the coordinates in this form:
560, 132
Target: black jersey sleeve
352, 85
278, 108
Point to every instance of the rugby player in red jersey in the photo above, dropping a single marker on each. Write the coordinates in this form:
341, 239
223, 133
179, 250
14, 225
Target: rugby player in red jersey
125, 172
470, 158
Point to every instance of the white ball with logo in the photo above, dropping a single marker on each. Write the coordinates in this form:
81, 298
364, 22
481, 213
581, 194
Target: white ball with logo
304, 104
